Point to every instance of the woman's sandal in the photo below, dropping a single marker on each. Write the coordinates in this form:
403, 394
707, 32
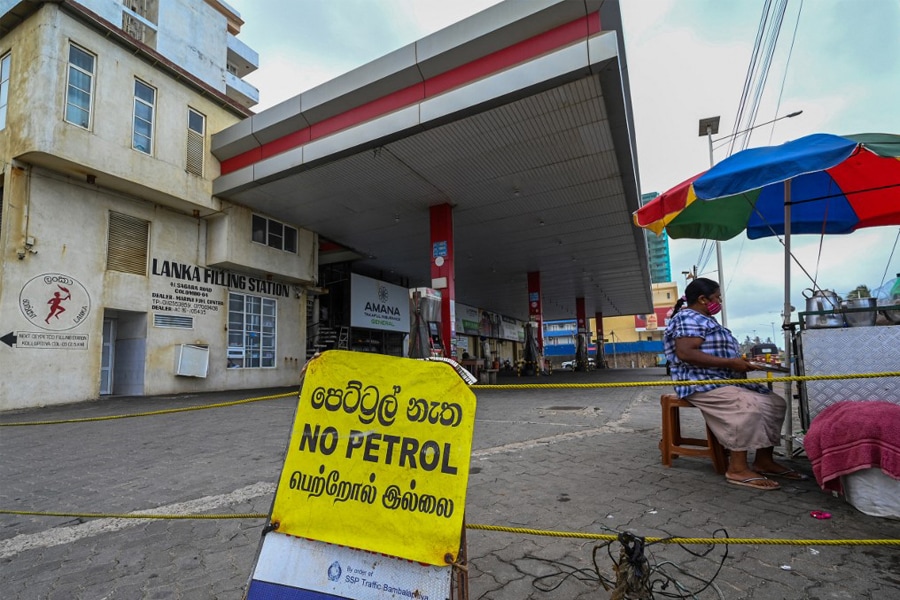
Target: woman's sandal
750, 483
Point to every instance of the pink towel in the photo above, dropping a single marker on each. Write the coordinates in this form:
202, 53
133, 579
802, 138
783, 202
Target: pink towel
850, 436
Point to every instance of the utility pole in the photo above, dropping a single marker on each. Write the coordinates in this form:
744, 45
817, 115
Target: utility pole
711, 126
688, 275
615, 359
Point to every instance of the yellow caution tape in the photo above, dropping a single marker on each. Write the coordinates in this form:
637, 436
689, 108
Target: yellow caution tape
513, 386
670, 383
475, 526
685, 540
154, 413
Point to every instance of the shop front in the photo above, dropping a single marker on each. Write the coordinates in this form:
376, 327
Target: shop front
488, 336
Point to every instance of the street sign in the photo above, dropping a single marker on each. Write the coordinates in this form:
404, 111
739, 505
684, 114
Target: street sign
44, 340
373, 487
290, 567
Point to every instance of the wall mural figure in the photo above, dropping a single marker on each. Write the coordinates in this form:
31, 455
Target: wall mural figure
56, 307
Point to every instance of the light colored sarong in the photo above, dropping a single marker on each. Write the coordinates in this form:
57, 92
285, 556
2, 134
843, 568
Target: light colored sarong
741, 419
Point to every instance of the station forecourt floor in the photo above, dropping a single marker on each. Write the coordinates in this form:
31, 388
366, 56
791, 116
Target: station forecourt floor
545, 459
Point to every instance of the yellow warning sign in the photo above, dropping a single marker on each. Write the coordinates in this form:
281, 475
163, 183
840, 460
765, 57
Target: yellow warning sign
379, 456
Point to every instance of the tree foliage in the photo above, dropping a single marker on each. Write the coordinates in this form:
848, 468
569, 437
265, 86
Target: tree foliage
861, 291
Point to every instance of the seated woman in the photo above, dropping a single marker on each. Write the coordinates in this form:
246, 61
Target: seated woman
743, 417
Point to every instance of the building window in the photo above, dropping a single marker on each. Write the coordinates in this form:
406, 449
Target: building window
196, 136
144, 107
251, 332
4, 89
79, 88
274, 234
126, 247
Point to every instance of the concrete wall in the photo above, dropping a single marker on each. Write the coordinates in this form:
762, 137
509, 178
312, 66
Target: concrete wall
193, 35
665, 294
190, 33
229, 246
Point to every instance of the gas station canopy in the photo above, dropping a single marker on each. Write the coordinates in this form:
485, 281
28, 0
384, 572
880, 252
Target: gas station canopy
519, 117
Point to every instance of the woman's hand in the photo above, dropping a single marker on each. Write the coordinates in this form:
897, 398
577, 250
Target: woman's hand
688, 350
741, 365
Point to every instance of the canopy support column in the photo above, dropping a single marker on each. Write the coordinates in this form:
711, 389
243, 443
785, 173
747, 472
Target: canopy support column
442, 272
581, 353
601, 343
535, 312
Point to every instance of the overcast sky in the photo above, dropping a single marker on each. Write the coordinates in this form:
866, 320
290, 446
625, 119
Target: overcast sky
687, 60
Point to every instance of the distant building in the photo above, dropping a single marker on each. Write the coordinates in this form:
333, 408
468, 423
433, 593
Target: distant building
637, 340
559, 339
657, 250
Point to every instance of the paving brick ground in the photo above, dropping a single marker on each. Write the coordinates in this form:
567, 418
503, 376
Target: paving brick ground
560, 460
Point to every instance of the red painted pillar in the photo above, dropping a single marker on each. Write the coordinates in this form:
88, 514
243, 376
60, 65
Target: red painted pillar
534, 306
580, 332
442, 272
581, 316
601, 349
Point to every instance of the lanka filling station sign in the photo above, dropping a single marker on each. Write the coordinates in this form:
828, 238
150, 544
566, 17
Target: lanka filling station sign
379, 457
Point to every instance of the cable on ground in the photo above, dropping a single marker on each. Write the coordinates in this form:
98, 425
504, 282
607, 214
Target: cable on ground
637, 575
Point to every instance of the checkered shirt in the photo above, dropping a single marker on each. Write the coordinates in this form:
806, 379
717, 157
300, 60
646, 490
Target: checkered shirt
717, 341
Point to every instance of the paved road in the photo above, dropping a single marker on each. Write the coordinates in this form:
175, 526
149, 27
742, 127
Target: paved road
559, 460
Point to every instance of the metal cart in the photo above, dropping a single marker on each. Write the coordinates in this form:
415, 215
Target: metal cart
843, 351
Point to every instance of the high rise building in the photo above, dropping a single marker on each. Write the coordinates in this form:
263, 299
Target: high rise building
657, 250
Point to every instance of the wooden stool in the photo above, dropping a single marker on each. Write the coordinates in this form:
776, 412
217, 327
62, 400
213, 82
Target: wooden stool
673, 445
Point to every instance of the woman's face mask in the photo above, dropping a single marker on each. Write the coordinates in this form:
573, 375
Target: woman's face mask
714, 308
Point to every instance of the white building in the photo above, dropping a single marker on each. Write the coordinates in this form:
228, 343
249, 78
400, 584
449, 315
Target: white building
120, 272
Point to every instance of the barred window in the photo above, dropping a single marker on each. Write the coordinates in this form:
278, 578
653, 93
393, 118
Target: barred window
173, 321
251, 331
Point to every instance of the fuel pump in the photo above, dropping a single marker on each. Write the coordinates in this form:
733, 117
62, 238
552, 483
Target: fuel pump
531, 357
425, 329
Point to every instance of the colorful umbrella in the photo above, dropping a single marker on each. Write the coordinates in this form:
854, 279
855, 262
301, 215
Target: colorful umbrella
838, 185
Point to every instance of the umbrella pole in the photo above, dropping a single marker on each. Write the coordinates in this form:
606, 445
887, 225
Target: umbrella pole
788, 430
